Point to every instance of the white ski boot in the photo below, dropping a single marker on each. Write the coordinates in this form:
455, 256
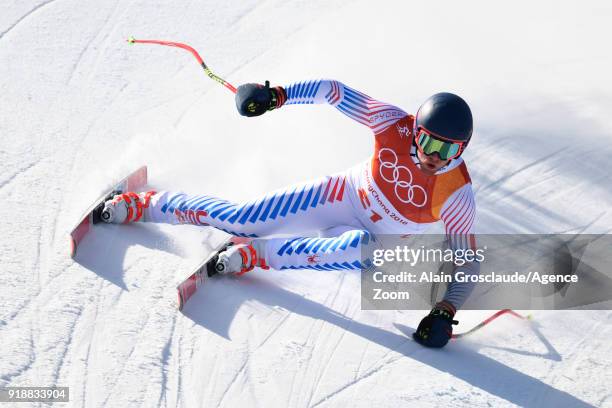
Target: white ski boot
126, 207
241, 258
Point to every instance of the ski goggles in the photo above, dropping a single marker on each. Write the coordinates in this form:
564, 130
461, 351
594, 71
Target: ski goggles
429, 144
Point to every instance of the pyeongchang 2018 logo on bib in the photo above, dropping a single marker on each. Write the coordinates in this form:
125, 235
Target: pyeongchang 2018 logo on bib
401, 178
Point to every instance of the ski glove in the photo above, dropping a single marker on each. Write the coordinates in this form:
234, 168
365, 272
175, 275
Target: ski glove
256, 99
435, 330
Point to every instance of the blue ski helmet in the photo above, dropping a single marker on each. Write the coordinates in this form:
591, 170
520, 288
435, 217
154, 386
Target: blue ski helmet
446, 116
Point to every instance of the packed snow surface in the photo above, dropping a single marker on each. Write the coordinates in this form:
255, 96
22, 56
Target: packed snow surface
80, 108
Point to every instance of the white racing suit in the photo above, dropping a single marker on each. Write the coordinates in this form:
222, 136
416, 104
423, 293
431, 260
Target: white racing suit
388, 194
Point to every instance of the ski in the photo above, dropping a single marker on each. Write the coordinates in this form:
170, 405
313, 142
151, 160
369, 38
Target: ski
135, 181
203, 271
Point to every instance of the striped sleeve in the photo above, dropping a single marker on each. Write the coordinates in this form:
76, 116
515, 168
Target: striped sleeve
458, 292
356, 105
458, 214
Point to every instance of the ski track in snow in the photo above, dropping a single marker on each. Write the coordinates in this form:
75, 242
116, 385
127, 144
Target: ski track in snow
94, 38
327, 398
8, 180
105, 327
22, 18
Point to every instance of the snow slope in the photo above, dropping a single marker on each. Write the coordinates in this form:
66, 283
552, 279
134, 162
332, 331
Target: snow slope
80, 108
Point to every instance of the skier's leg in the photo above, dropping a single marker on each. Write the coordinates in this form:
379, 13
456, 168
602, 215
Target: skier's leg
330, 253
305, 207
327, 253
322, 205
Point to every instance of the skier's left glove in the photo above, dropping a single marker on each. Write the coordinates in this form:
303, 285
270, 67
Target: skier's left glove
436, 329
257, 99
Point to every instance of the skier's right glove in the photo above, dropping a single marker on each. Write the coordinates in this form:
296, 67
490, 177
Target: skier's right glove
256, 99
436, 329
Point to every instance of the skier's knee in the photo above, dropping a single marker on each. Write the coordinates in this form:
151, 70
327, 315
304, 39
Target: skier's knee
362, 237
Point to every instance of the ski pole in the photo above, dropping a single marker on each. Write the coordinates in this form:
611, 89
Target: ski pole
489, 320
186, 47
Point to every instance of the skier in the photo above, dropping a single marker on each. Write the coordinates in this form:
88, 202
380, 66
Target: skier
415, 177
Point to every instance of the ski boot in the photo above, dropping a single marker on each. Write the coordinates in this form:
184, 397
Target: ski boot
125, 207
239, 259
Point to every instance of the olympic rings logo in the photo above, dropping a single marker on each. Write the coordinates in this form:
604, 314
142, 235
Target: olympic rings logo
404, 189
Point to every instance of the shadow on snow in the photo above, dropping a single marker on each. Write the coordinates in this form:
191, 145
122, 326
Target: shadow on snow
217, 302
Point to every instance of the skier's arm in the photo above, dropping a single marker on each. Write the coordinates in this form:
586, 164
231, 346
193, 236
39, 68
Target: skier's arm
458, 216
255, 100
356, 105
436, 329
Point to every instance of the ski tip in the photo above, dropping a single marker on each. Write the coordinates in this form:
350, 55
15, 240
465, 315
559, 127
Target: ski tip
131, 40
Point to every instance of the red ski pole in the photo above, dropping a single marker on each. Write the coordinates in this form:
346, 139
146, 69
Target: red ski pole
186, 47
489, 320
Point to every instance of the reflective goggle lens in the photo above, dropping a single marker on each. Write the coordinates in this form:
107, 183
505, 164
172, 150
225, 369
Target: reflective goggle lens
429, 145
